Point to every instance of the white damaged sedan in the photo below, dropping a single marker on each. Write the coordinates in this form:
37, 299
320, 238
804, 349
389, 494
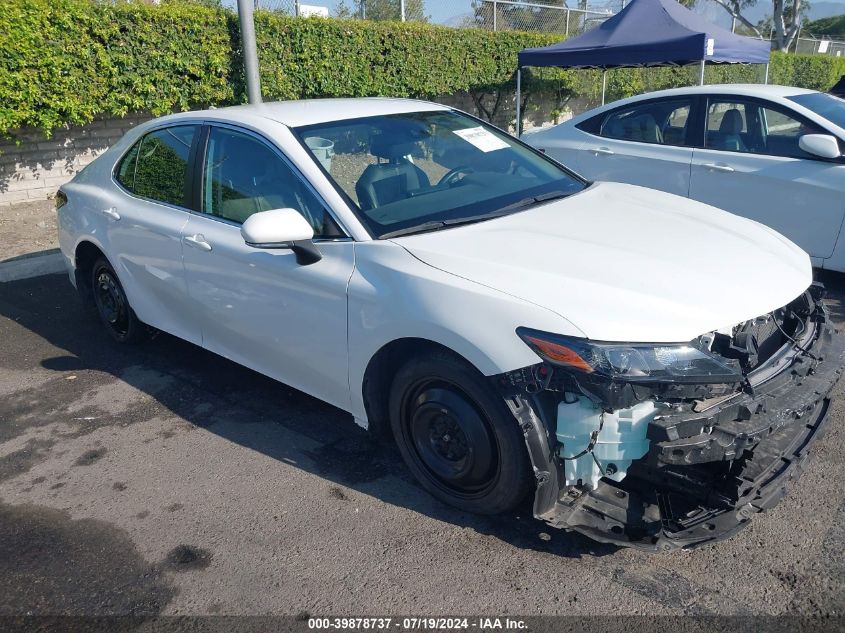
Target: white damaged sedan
650, 369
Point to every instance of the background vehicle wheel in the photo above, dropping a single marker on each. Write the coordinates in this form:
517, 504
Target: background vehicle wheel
112, 305
457, 436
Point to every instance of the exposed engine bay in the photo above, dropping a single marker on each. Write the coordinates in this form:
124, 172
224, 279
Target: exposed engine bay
661, 447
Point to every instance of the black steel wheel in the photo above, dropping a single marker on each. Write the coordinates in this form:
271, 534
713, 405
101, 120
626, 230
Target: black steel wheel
457, 436
113, 306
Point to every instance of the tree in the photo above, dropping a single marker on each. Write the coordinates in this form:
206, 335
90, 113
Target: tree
785, 21
833, 26
735, 9
383, 10
343, 11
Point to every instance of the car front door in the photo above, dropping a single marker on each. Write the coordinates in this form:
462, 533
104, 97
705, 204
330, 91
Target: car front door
143, 228
751, 165
260, 307
642, 144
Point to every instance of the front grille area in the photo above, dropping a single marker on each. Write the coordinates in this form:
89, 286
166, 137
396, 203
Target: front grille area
765, 334
754, 342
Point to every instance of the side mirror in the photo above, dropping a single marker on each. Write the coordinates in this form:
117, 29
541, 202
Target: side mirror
281, 228
821, 145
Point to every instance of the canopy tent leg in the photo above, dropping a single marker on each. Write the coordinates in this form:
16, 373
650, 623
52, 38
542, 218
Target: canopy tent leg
603, 85
701, 78
518, 102
766, 78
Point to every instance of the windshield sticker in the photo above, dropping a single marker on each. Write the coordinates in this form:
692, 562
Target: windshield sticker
482, 139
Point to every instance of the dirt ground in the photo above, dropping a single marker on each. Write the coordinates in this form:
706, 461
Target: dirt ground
27, 227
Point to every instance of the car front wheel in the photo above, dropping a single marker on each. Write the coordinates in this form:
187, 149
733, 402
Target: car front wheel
457, 436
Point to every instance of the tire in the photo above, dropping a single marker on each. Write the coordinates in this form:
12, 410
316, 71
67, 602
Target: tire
112, 305
457, 436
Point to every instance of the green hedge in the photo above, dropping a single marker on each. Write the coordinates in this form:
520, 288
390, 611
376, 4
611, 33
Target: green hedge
67, 61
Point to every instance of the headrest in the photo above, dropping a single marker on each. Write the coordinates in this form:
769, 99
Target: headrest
384, 146
731, 122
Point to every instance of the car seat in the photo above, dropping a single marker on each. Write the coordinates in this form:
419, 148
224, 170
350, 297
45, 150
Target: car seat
729, 131
383, 183
642, 128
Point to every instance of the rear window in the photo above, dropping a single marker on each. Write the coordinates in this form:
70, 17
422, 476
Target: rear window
660, 122
156, 167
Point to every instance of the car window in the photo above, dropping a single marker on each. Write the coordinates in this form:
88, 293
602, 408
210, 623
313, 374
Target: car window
750, 127
125, 173
426, 170
825, 105
157, 166
243, 176
783, 132
732, 126
660, 122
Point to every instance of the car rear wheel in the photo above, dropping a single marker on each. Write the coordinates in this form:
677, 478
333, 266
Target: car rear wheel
113, 306
457, 436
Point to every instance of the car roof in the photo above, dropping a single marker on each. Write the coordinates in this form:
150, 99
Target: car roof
760, 90
745, 90
312, 111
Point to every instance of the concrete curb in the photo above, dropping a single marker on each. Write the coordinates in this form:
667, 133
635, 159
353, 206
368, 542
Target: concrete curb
33, 265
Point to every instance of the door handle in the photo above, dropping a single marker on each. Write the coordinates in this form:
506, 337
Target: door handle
111, 213
606, 151
718, 167
197, 241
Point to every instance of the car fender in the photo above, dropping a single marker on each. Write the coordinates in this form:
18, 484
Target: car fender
392, 296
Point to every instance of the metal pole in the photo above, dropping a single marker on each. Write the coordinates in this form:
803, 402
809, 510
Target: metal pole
603, 84
296, 8
766, 79
733, 24
518, 101
495, 11
402, 10
253, 83
567, 22
701, 79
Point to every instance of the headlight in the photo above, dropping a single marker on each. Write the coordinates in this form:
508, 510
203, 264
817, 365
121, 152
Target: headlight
631, 362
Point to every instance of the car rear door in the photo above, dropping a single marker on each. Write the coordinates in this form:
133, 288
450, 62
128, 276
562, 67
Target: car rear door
260, 307
751, 165
644, 143
143, 227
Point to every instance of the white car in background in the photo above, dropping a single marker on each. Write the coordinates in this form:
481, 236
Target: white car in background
651, 368
769, 153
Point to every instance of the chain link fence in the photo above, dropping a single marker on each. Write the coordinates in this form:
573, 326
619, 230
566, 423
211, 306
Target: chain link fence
812, 45
512, 15
281, 6
545, 16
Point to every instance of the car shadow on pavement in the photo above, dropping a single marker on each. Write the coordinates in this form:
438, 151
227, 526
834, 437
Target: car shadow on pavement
242, 406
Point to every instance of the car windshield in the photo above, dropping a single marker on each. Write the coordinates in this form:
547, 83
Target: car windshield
825, 105
421, 171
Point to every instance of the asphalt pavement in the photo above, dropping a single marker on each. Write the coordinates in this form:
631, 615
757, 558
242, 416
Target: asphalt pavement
162, 479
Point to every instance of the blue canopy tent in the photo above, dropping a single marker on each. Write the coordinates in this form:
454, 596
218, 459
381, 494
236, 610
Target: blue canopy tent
646, 33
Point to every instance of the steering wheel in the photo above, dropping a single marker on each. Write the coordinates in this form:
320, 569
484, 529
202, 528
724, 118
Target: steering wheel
451, 178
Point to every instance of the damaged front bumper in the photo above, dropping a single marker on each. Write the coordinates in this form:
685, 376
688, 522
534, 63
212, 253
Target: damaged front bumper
709, 467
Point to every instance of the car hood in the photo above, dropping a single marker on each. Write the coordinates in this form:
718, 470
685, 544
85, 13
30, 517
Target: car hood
626, 263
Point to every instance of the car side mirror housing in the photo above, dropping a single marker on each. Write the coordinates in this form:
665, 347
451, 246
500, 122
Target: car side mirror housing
281, 228
821, 145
